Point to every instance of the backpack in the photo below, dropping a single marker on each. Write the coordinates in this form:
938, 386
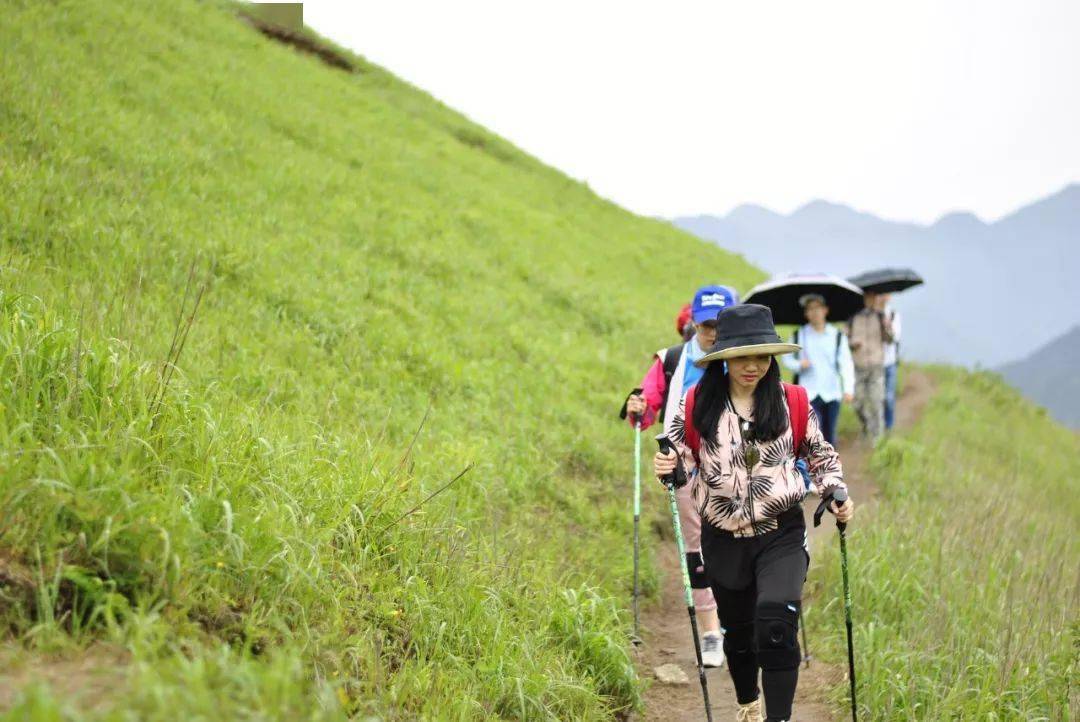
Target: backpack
683, 320
850, 325
798, 412
836, 355
672, 357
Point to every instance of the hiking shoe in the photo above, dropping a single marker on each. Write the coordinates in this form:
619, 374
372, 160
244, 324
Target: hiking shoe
712, 653
749, 712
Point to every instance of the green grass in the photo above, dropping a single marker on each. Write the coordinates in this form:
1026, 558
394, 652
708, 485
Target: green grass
967, 574
390, 294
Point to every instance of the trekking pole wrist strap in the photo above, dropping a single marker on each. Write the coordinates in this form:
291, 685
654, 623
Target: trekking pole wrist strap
835, 494
622, 412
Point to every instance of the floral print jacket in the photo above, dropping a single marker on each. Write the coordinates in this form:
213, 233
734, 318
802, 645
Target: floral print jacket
745, 501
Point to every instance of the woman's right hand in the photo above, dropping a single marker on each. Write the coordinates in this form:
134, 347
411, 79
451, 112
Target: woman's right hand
635, 405
664, 464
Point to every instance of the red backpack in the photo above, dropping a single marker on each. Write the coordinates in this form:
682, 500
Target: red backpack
798, 405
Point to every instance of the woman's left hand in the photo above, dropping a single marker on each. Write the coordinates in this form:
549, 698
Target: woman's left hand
845, 512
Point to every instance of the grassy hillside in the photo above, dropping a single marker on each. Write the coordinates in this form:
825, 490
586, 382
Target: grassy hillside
256, 310
966, 575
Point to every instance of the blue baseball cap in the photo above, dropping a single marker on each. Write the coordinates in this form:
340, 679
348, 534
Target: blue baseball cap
711, 300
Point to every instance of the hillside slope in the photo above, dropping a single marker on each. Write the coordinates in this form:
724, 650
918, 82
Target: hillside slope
255, 312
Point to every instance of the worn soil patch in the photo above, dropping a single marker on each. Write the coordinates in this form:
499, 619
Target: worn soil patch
304, 43
84, 679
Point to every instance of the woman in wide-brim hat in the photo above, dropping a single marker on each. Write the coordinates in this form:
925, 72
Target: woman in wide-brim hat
739, 452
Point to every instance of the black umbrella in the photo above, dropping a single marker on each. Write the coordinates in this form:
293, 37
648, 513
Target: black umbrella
887, 280
782, 294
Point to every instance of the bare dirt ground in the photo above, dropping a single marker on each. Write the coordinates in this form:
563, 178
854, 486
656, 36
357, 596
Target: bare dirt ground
82, 678
666, 629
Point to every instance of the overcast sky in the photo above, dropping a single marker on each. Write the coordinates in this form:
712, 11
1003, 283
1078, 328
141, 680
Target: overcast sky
904, 109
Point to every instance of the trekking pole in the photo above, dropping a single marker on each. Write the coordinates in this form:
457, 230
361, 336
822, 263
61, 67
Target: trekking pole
669, 482
840, 496
806, 656
636, 418
800, 464
842, 528
637, 519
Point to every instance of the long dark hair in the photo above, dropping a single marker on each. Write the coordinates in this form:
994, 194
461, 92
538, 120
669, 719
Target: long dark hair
713, 392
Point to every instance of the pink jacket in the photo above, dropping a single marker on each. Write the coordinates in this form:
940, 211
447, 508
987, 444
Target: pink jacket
653, 387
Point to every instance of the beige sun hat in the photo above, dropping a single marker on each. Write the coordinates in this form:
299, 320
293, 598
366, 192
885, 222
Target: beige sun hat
746, 330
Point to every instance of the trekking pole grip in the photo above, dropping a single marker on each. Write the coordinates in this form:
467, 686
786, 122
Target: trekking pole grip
670, 480
623, 410
840, 496
837, 495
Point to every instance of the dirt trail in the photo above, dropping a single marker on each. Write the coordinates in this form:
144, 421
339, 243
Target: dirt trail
666, 630
85, 679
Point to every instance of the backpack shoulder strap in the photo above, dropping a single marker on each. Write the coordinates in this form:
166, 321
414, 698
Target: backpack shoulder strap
799, 413
690, 433
836, 352
672, 356
896, 342
669, 358
795, 340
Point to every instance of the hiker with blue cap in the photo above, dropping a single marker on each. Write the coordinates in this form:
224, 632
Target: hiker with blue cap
674, 370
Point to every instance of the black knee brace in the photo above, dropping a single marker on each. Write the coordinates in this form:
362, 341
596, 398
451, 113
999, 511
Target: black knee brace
776, 630
739, 639
695, 565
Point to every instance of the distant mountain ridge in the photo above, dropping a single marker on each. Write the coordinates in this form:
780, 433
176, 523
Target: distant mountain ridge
994, 293
1048, 376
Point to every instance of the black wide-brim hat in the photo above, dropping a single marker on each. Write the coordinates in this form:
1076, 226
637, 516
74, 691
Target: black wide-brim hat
746, 330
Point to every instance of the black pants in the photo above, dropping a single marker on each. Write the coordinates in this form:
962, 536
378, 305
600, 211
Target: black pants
828, 413
757, 582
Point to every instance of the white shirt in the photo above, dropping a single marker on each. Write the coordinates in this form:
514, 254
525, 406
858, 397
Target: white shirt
828, 377
892, 350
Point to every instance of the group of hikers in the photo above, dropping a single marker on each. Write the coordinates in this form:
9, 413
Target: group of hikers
745, 450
